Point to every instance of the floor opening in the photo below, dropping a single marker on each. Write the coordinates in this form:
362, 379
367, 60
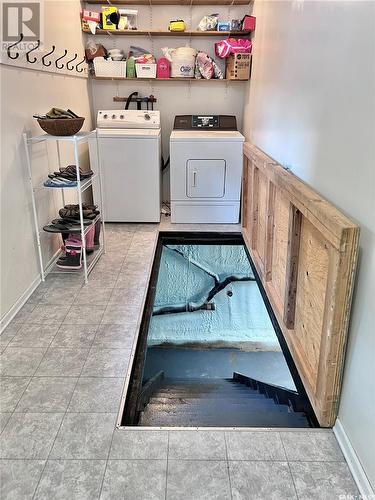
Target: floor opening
210, 352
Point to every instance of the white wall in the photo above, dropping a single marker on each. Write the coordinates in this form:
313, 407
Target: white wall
174, 97
311, 106
23, 93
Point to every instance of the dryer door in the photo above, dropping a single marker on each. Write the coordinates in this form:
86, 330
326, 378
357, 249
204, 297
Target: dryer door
205, 178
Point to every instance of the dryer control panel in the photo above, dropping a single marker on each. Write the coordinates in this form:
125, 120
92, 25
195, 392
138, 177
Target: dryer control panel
194, 122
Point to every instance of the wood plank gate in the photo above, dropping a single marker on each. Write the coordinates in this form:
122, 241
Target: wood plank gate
305, 251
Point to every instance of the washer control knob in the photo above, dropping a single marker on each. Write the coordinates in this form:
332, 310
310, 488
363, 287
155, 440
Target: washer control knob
105, 116
147, 116
122, 117
113, 117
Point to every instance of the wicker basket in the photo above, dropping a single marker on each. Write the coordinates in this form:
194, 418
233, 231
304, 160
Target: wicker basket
61, 126
109, 68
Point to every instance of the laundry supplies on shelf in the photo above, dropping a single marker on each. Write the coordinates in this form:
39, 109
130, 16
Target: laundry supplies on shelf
237, 53
182, 61
208, 23
178, 25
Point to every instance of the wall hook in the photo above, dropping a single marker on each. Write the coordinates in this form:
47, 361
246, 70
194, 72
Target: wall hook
67, 64
13, 45
48, 54
28, 53
58, 59
81, 69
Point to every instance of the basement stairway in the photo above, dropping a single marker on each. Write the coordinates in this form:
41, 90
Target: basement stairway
237, 402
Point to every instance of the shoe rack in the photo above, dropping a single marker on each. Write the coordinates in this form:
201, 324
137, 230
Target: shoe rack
82, 185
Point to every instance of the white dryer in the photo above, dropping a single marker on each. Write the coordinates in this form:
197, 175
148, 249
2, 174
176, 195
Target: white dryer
206, 155
129, 152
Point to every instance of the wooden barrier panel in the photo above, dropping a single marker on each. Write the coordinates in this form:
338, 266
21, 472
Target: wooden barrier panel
305, 251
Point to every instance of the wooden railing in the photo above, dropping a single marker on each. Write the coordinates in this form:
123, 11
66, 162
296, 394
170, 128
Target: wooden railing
305, 251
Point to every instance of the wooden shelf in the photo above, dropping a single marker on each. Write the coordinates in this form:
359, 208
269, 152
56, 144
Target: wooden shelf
165, 79
171, 2
219, 34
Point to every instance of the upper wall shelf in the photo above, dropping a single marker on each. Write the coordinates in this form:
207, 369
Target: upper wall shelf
168, 33
172, 2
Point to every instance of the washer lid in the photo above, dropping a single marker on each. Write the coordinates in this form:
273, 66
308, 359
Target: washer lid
128, 132
206, 135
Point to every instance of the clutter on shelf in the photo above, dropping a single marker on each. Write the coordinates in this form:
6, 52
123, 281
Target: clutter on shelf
60, 122
111, 19
208, 23
178, 25
237, 53
180, 62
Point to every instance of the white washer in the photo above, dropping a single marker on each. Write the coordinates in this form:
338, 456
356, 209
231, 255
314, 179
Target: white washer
206, 154
129, 151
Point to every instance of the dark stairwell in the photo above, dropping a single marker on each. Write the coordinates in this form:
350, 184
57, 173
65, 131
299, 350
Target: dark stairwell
208, 336
238, 402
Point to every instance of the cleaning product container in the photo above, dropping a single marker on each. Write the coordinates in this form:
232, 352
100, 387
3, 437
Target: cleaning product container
183, 62
163, 68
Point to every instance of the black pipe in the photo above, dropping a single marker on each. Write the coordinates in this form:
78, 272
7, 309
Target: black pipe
129, 99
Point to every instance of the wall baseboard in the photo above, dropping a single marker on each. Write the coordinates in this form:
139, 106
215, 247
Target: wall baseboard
8, 316
355, 466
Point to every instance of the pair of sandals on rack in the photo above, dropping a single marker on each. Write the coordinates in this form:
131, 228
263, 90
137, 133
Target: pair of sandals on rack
67, 177
69, 221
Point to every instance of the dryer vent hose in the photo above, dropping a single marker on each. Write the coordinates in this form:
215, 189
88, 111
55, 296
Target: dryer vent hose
165, 165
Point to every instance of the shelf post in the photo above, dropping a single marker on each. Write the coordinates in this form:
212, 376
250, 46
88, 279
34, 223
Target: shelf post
83, 238
35, 215
59, 162
100, 189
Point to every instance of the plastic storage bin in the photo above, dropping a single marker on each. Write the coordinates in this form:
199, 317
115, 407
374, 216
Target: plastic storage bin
183, 62
147, 70
104, 67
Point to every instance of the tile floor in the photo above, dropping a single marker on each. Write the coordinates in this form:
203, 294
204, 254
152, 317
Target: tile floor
63, 363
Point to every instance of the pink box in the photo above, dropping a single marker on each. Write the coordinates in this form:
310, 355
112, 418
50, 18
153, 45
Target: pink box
90, 15
248, 23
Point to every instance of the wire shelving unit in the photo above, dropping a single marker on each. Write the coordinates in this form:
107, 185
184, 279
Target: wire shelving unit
82, 185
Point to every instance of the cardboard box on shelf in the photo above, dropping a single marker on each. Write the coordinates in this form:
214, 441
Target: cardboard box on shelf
238, 67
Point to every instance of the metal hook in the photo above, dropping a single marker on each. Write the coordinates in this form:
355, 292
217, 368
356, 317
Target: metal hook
28, 53
48, 54
13, 45
74, 58
81, 69
58, 59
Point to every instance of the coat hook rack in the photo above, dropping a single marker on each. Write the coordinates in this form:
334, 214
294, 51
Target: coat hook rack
13, 45
59, 58
71, 60
80, 69
28, 53
48, 54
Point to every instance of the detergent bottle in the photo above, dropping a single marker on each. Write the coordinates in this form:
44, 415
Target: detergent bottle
163, 69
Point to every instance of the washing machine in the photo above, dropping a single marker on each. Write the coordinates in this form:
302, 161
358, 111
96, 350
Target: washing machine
206, 156
129, 152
